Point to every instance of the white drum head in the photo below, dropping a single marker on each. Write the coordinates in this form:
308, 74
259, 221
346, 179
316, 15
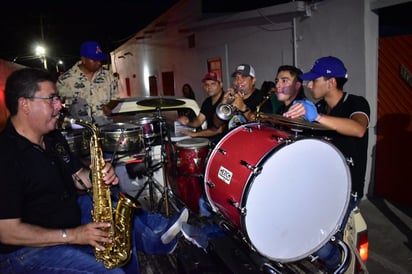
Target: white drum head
193, 142
298, 201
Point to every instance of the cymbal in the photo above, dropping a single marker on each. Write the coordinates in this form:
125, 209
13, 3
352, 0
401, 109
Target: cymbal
291, 123
161, 102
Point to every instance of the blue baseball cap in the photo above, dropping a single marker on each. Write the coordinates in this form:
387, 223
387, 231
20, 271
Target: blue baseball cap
93, 50
326, 66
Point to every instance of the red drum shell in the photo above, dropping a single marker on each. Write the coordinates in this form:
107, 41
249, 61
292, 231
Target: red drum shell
191, 157
286, 194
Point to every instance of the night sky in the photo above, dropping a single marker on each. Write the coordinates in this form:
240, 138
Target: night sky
63, 27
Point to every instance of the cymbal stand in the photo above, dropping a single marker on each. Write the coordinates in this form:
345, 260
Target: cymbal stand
149, 169
163, 162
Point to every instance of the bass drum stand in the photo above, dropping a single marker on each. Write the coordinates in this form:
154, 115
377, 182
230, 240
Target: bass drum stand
150, 169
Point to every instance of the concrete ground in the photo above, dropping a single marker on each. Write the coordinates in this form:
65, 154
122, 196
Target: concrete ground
390, 236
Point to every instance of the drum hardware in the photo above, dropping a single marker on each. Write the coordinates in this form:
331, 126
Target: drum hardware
149, 171
350, 161
248, 128
210, 184
234, 203
150, 168
255, 169
269, 268
161, 102
288, 140
346, 257
221, 151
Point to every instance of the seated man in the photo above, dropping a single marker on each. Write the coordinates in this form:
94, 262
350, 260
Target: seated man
44, 225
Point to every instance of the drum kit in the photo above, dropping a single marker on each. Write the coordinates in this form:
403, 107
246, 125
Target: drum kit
284, 191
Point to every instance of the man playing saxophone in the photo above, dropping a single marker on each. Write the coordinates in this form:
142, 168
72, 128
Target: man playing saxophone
44, 226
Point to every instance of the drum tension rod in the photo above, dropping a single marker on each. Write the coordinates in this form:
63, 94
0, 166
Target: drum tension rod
236, 204
222, 151
210, 184
255, 170
248, 129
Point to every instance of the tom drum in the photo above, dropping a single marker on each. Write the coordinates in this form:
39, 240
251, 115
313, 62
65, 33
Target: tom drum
78, 140
152, 128
190, 161
121, 137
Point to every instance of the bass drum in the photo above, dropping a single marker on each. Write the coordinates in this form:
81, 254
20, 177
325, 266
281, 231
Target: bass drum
287, 195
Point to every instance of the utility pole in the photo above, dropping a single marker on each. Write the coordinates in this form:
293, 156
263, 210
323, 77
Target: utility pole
43, 56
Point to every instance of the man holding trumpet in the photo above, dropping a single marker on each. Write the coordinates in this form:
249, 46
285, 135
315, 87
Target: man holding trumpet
244, 98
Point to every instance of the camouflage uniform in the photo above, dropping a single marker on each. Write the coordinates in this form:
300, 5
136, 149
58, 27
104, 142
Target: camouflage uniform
86, 98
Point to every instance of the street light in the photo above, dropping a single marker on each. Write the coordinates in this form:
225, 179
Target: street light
58, 63
41, 51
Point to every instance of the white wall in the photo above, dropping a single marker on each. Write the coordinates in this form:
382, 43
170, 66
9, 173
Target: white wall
351, 35
346, 29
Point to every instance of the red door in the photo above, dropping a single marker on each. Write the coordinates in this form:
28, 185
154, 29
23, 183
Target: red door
393, 152
168, 83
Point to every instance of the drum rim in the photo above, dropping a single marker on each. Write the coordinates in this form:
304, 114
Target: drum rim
249, 185
203, 142
109, 128
327, 237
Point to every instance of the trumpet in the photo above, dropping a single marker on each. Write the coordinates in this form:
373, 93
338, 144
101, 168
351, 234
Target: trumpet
225, 111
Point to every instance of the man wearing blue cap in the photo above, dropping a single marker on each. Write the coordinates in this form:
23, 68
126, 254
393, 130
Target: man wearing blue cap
347, 114
88, 87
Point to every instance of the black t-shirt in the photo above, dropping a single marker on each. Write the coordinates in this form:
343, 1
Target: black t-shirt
284, 108
209, 110
353, 148
255, 99
37, 185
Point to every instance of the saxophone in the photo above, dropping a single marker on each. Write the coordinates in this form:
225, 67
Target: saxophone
118, 252
265, 98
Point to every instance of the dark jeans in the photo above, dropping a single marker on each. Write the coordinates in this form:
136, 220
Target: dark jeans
147, 230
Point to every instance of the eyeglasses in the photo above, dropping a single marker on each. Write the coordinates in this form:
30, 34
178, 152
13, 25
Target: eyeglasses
53, 98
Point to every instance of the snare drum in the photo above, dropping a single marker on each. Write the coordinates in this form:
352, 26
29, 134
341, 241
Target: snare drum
121, 137
287, 195
152, 128
191, 156
78, 140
